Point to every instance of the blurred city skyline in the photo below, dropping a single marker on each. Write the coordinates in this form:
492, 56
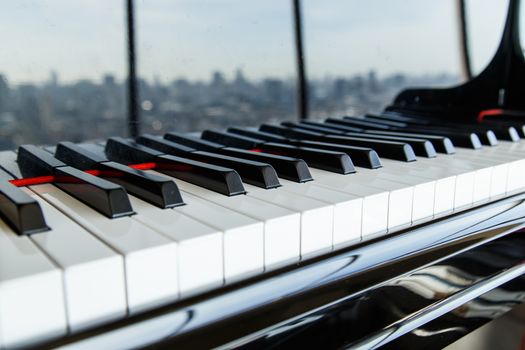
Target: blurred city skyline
190, 39
53, 111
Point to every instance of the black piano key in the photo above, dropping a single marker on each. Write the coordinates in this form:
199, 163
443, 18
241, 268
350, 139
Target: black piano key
193, 142
106, 197
256, 134
323, 159
337, 162
361, 156
388, 149
232, 140
324, 125
154, 189
460, 139
124, 151
506, 133
313, 128
163, 145
290, 132
396, 117
157, 190
76, 156
341, 127
216, 178
441, 144
356, 123
486, 137
385, 149
255, 173
21, 212
391, 123
96, 148
520, 128
293, 169
421, 147
34, 161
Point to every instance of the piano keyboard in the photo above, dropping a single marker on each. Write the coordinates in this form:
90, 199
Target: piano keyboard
98, 231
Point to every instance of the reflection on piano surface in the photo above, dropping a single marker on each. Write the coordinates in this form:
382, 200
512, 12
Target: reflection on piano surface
399, 229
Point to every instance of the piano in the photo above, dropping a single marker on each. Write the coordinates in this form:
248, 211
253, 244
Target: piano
398, 230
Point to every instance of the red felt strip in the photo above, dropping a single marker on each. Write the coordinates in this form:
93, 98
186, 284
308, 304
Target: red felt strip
489, 112
33, 181
39, 180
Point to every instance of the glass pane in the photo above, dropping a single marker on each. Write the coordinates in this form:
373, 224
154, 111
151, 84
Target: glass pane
485, 21
62, 71
218, 63
360, 54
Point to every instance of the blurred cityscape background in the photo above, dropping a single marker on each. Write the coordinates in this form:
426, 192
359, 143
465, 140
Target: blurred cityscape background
211, 64
54, 111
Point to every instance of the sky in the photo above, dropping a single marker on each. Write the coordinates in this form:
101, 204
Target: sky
84, 39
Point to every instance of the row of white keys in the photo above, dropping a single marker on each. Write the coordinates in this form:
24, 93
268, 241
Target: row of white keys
494, 174
150, 258
468, 178
305, 216
516, 150
281, 227
397, 205
317, 217
374, 215
445, 181
501, 167
348, 209
94, 282
283, 242
200, 263
507, 155
243, 237
31, 293
424, 189
453, 171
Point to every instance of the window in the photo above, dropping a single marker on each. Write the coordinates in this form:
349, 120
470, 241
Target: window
62, 71
360, 54
205, 64
485, 21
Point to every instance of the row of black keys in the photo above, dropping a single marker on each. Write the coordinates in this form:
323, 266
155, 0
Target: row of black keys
221, 160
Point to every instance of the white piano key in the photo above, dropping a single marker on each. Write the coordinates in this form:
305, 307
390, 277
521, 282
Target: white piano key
400, 196
499, 174
374, 216
243, 237
445, 182
32, 306
282, 227
317, 218
200, 259
465, 178
500, 155
150, 258
94, 281
423, 195
473, 181
347, 209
